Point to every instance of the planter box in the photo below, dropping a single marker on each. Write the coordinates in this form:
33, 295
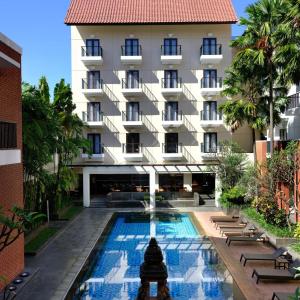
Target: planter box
273, 240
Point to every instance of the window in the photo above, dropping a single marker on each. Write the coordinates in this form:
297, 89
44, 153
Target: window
132, 111
95, 139
210, 46
283, 134
92, 47
210, 111
210, 142
171, 79
210, 79
132, 47
94, 112
8, 135
170, 47
171, 111
132, 143
93, 80
132, 79
171, 142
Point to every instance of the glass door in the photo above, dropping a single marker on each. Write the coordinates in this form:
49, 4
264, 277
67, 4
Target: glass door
171, 113
93, 112
171, 142
133, 109
210, 110
93, 79
210, 46
210, 78
92, 47
132, 79
171, 78
131, 47
170, 46
95, 139
132, 143
210, 142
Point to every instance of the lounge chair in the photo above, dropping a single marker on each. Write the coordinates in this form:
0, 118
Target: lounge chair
263, 257
256, 238
231, 218
228, 227
276, 274
282, 296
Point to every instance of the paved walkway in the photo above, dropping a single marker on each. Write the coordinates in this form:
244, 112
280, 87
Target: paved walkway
64, 256
242, 275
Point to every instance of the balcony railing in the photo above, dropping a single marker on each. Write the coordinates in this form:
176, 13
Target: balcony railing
92, 84
211, 83
132, 117
172, 148
294, 101
211, 50
210, 115
170, 50
131, 84
96, 149
129, 148
171, 83
173, 115
91, 51
208, 149
92, 117
131, 50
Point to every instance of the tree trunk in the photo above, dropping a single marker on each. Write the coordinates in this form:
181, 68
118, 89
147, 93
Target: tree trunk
271, 129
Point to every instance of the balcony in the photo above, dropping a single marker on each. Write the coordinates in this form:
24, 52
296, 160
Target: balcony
132, 87
172, 152
131, 55
171, 55
171, 87
132, 120
92, 87
209, 153
211, 86
211, 54
172, 119
210, 119
97, 157
93, 119
91, 56
132, 152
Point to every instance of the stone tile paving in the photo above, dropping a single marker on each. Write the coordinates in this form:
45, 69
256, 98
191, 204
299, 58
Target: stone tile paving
64, 256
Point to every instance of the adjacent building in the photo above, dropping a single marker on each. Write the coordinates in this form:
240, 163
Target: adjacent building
147, 78
11, 170
289, 128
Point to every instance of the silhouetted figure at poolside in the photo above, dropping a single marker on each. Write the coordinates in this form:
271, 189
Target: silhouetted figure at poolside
153, 269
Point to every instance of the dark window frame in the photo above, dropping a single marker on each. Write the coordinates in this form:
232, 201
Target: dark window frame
8, 135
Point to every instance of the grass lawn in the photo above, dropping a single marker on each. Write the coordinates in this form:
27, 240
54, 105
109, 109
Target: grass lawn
43, 236
296, 247
71, 212
252, 214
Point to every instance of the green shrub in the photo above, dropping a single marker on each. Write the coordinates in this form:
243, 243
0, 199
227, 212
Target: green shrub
235, 196
297, 231
157, 198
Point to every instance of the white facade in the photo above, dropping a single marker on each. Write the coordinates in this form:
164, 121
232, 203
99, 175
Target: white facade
151, 124
289, 128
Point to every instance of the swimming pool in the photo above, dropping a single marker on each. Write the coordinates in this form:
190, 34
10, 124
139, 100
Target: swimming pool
194, 268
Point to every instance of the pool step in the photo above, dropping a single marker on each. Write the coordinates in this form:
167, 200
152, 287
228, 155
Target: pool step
98, 203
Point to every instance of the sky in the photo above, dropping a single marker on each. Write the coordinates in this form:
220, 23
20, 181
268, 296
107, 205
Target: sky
38, 27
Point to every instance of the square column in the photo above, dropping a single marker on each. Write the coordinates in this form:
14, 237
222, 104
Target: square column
152, 186
187, 181
218, 188
86, 188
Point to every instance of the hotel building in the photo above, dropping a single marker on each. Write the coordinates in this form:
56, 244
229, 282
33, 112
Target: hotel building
11, 168
147, 78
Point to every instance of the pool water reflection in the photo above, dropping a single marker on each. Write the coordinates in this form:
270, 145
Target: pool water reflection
195, 271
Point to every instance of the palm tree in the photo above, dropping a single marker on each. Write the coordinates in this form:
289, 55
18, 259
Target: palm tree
260, 47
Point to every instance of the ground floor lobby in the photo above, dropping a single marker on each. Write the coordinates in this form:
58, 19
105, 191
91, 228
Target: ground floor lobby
152, 184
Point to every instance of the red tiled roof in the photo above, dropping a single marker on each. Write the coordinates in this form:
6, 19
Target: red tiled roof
150, 11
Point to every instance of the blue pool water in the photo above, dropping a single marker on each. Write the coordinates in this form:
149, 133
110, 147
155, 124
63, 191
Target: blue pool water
194, 269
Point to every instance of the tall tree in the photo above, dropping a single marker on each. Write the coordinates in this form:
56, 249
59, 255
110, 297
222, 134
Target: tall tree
260, 47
